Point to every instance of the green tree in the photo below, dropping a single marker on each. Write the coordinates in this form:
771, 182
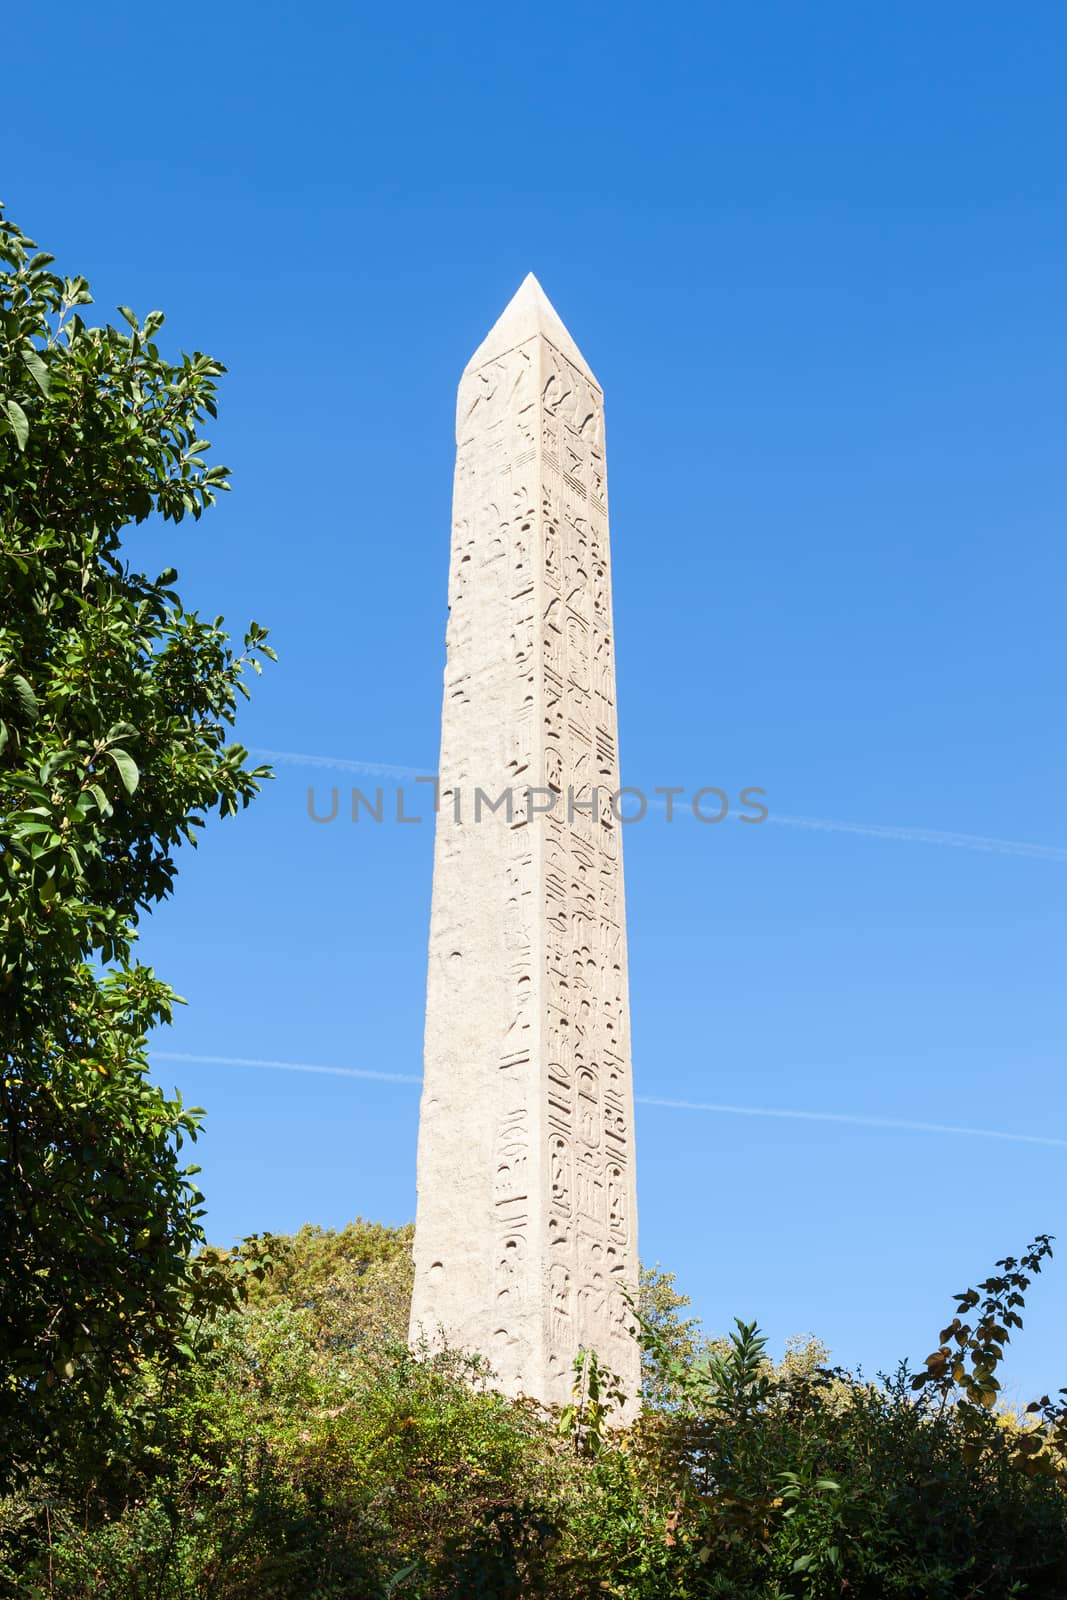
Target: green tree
672, 1344
115, 711
354, 1282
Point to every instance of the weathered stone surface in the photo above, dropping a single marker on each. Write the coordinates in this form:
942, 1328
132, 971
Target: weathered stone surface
526, 1229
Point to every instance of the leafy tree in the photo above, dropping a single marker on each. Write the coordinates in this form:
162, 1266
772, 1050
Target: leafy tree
672, 1342
115, 710
354, 1282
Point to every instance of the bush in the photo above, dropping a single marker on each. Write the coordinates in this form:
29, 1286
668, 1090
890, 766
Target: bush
308, 1455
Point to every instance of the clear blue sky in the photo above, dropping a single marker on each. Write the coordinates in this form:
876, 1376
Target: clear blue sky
817, 256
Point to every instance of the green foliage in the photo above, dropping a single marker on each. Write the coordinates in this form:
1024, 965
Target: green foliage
968, 1355
962, 1370
595, 1394
356, 1283
115, 711
299, 1457
271, 1469
735, 1380
672, 1342
808, 1481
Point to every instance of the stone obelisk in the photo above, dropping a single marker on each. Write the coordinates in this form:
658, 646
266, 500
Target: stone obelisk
526, 1228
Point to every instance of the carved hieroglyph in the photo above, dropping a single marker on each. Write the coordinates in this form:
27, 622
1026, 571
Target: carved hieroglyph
526, 1229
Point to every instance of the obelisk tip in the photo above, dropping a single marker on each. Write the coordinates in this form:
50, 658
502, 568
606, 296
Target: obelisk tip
528, 312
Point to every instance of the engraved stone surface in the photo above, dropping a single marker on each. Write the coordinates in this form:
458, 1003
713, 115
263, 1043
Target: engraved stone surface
526, 1227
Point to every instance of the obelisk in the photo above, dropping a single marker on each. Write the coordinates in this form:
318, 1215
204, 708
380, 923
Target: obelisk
526, 1227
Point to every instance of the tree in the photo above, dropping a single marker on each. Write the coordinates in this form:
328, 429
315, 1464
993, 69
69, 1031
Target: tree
355, 1283
670, 1343
115, 711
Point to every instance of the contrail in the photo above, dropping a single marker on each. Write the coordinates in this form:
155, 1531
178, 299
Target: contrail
369, 769
957, 841
866, 830
852, 1119
847, 1118
285, 1066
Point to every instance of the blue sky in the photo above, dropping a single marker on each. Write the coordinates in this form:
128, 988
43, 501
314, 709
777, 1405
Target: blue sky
816, 256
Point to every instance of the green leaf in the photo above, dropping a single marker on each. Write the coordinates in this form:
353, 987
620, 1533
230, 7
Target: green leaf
37, 367
130, 318
28, 702
127, 769
20, 423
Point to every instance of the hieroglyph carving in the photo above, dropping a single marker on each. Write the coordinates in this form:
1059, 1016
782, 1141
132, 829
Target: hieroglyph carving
525, 1238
